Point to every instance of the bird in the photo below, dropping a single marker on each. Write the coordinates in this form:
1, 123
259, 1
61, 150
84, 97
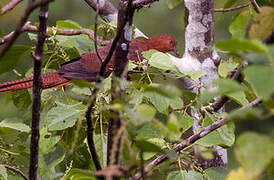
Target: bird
88, 65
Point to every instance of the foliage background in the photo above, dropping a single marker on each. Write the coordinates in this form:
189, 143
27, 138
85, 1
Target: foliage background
152, 21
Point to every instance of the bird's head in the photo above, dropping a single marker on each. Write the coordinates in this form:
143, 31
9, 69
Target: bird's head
164, 43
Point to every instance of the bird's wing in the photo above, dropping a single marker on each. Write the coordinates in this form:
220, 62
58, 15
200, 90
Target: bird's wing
86, 67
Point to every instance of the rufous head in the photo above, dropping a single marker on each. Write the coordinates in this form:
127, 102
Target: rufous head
165, 43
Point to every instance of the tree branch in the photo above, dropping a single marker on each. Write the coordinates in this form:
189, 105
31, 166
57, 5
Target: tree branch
90, 130
95, 31
28, 27
109, 13
31, 6
17, 171
10, 6
255, 6
253, 103
232, 8
220, 101
37, 90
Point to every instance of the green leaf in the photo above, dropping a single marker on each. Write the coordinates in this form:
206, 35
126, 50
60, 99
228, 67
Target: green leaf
67, 24
47, 142
176, 103
144, 113
245, 114
173, 123
173, 3
223, 136
100, 141
81, 42
261, 79
238, 97
149, 53
254, 152
147, 146
229, 3
162, 61
186, 122
148, 131
62, 117
163, 96
226, 86
81, 83
242, 45
3, 173
15, 123
80, 174
21, 99
225, 68
216, 173
10, 60
262, 23
184, 175
238, 26
195, 75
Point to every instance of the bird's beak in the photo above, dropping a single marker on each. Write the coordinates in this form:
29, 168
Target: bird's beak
175, 50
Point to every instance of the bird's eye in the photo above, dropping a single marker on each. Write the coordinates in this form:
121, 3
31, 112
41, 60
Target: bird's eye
170, 41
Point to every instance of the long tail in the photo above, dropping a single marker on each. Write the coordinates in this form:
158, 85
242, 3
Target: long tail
52, 79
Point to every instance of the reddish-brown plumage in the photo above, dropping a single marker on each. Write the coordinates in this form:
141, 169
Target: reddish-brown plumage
88, 65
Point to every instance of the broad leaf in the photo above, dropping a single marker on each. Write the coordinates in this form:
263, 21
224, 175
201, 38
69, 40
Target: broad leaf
254, 152
225, 68
21, 99
261, 79
238, 174
148, 131
67, 24
242, 45
216, 173
174, 3
10, 60
15, 123
147, 146
62, 117
3, 173
238, 26
229, 3
79, 174
100, 141
262, 23
184, 175
162, 61
144, 113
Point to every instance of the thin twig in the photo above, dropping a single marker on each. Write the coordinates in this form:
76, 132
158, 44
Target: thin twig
37, 90
255, 6
232, 8
31, 6
191, 140
16, 170
252, 103
10, 6
28, 27
220, 101
90, 130
95, 30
